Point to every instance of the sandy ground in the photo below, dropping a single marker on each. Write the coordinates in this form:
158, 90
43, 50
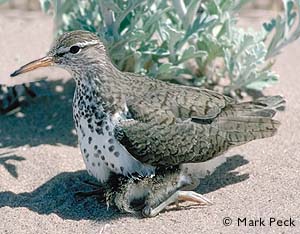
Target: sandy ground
41, 167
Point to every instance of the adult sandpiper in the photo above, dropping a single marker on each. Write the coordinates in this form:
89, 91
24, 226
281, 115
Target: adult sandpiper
131, 125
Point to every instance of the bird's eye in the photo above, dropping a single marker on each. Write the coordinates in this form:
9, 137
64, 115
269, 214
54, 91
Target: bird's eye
74, 49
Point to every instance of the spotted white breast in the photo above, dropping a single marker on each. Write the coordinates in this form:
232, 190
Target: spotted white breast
102, 153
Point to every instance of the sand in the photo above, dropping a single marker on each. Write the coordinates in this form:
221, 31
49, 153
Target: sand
41, 167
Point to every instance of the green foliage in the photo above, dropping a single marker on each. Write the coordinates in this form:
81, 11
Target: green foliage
285, 30
190, 42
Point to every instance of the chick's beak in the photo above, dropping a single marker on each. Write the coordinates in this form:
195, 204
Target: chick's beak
42, 62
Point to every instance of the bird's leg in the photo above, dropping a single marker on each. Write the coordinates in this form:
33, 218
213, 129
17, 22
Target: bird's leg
175, 198
102, 190
97, 191
89, 193
92, 183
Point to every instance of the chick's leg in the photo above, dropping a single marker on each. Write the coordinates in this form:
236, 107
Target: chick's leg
175, 198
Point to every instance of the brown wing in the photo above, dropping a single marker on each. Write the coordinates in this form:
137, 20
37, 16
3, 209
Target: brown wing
176, 142
170, 145
167, 103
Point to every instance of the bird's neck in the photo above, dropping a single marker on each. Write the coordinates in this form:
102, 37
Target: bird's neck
102, 83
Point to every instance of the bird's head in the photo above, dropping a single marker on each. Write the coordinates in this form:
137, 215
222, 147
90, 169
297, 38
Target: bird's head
73, 51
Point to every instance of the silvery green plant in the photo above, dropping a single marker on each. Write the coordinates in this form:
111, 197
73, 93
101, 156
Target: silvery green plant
190, 42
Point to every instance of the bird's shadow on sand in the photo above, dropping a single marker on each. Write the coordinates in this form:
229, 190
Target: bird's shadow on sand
46, 119
57, 195
224, 175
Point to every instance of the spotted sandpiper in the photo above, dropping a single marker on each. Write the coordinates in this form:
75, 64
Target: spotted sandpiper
137, 127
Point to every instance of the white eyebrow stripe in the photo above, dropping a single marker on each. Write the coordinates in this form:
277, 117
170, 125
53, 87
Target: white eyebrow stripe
86, 43
64, 50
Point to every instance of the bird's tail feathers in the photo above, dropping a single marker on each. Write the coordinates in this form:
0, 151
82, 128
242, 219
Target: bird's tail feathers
262, 107
244, 122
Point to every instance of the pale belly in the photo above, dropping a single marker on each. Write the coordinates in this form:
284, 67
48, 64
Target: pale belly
103, 154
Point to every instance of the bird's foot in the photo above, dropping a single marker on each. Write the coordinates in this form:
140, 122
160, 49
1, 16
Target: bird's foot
176, 198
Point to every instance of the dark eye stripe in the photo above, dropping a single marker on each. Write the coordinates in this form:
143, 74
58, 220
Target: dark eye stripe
61, 54
73, 50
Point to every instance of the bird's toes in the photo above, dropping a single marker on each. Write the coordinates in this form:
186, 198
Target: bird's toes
147, 212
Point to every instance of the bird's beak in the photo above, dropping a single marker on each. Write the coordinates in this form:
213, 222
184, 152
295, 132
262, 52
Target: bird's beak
42, 62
